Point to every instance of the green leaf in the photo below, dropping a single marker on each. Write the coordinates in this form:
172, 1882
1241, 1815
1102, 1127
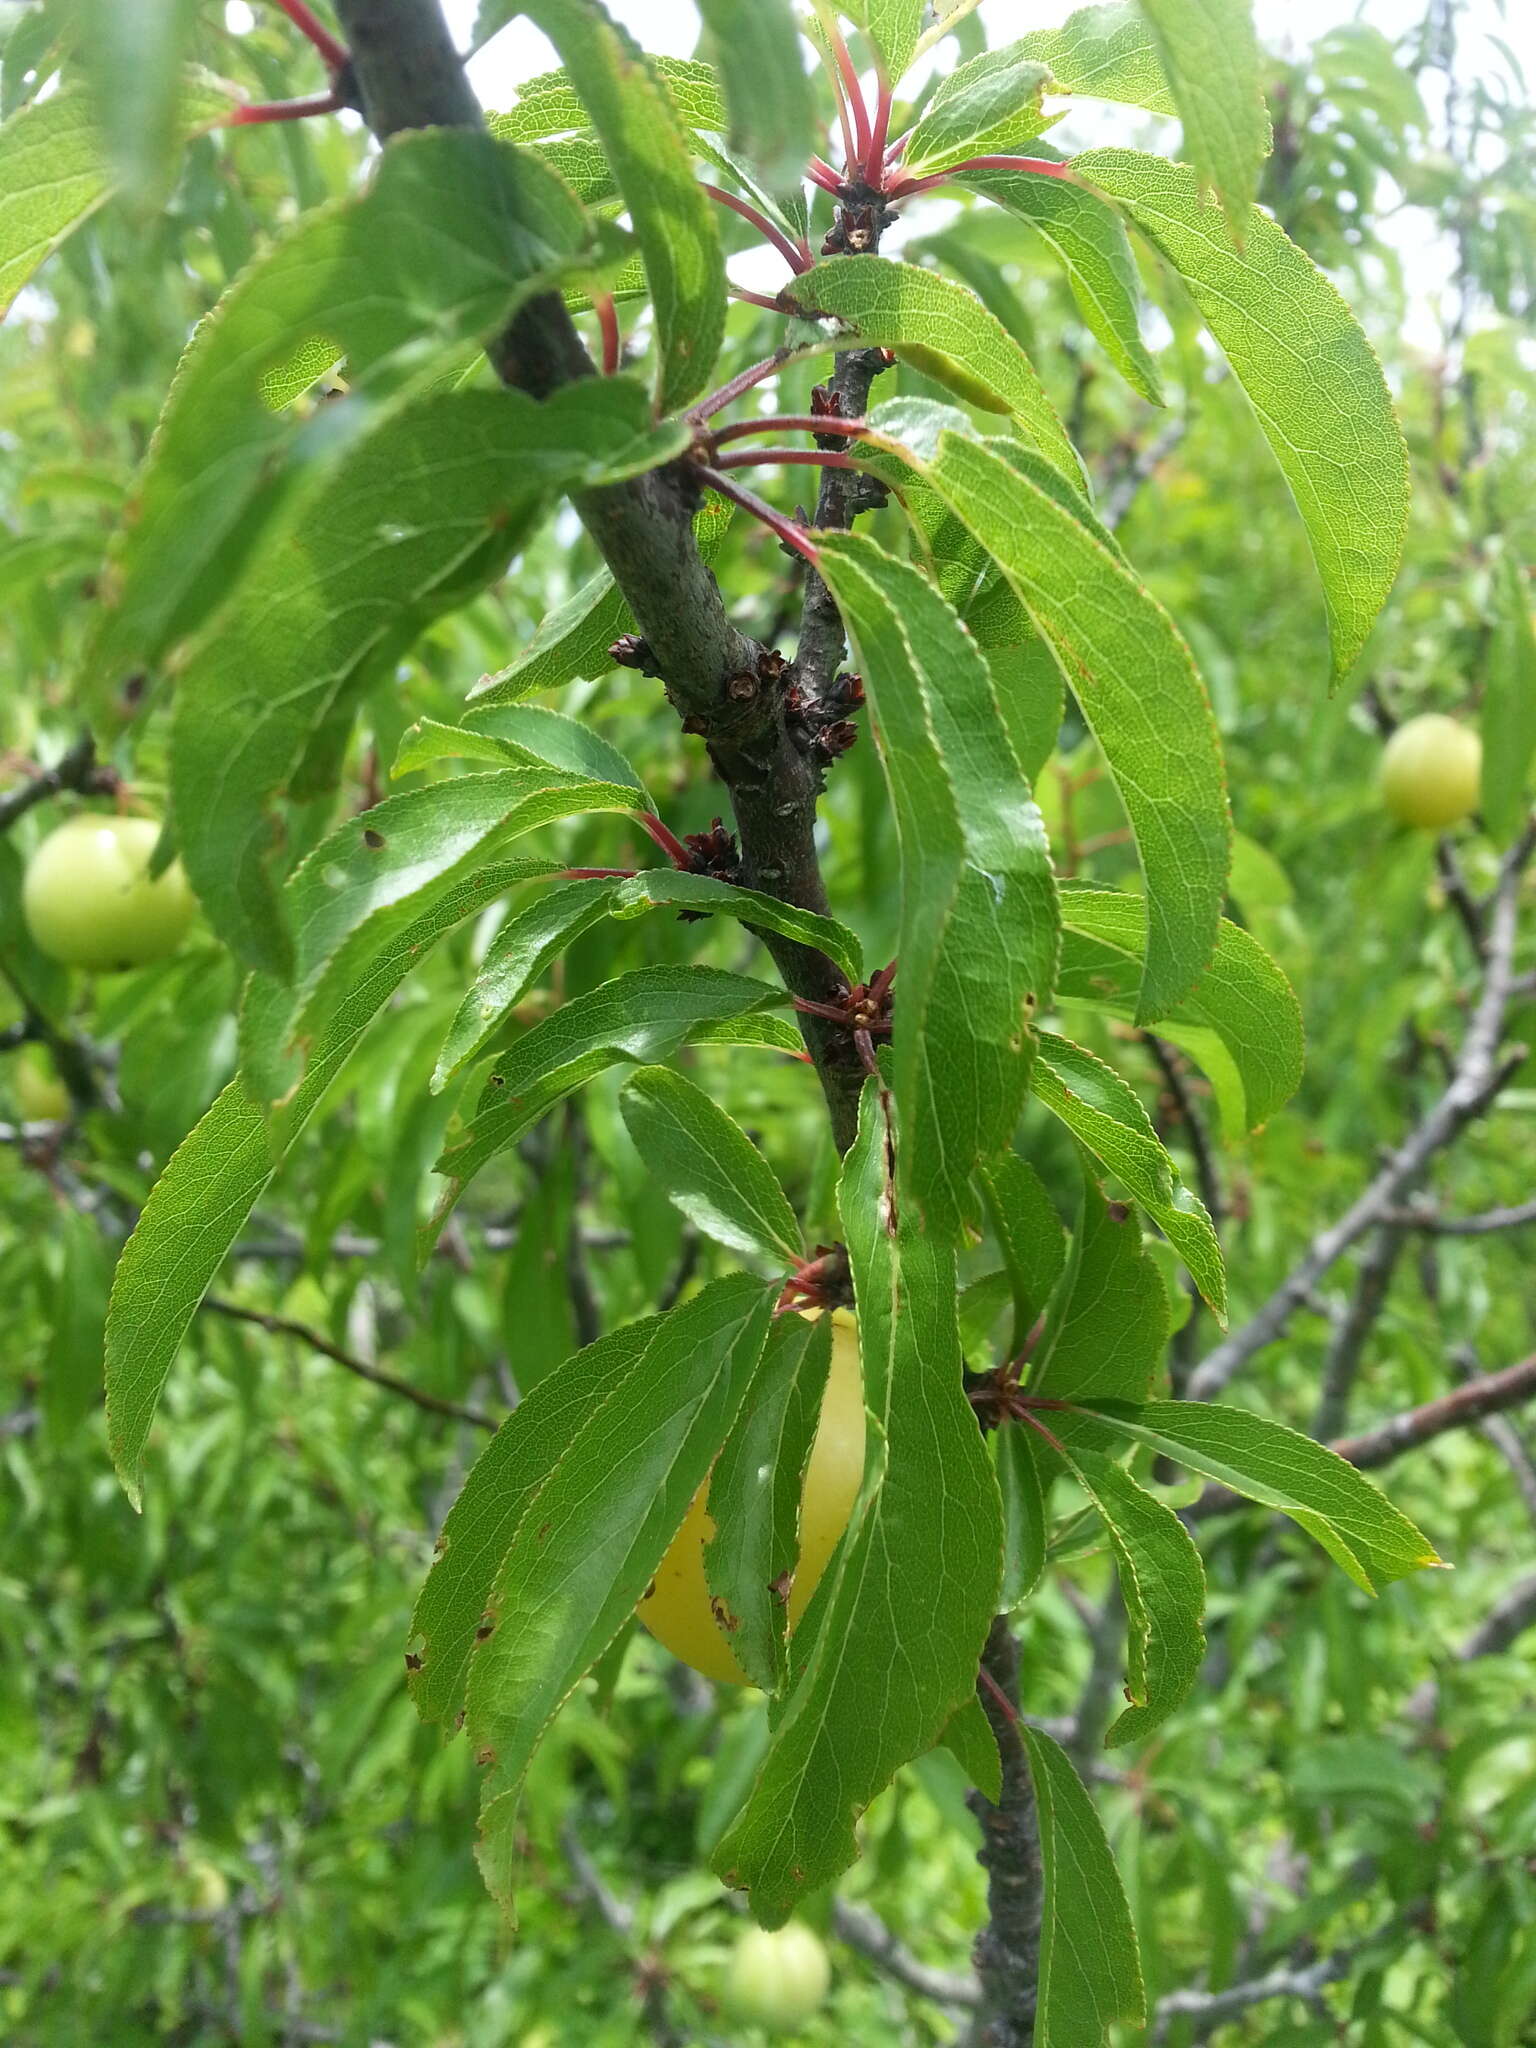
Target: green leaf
641, 1016
756, 51
943, 330
1029, 1236
1104, 53
574, 639
453, 233
662, 888
978, 917
551, 105
426, 509
1308, 371
373, 876
637, 123
1163, 1583
706, 1165
503, 1482
135, 58
1025, 1530
1090, 240
214, 1179
754, 1494
55, 173
1242, 999
1211, 59
1278, 1467
1509, 706
969, 1739
1130, 671
987, 107
528, 733
591, 1538
920, 1563
893, 26
1109, 1320
1027, 680
1107, 1115
1090, 1969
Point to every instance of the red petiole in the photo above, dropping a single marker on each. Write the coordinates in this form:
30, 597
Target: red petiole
792, 536
813, 458
798, 259
666, 839
608, 321
286, 110
850, 77
717, 401
1047, 167
787, 422
305, 21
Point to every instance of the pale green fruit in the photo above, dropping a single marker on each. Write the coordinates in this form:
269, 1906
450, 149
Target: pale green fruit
41, 1096
89, 900
1431, 772
778, 1977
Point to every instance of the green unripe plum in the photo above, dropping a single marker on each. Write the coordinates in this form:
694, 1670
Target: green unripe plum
41, 1096
677, 1609
778, 1978
89, 900
1431, 772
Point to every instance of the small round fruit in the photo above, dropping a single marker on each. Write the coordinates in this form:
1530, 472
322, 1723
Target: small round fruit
677, 1609
778, 1978
1431, 770
89, 900
41, 1096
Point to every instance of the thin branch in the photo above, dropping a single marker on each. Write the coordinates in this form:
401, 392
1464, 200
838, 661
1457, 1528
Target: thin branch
1210, 2009
284, 1326
1122, 493
868, 1934
1503, 1625
1355, 1326
1008, 1947
1416, 1217
1503, 1434
1191, 1122
1480, 1072
77, 769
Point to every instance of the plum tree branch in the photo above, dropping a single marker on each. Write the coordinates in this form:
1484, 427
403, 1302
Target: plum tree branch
76, 769
1481, 1070
410, 76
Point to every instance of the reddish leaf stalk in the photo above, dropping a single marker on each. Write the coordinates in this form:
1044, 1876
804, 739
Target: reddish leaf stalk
285, 110
791, 422
308, 25
821, 173
666, 839
717, 401
907, 188
797, 259
856, 106
755, 299
792, 535
608, 320
874, 161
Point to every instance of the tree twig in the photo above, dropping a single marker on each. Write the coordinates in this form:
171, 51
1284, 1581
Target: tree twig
1210, 2009
1007, 1950
868, 1934
1417, 1217
1480, 1072
285, 1326
1501, 1626
1355, 1326
77, 769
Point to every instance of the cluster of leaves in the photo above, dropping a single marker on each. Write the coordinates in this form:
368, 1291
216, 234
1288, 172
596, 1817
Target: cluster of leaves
287, 556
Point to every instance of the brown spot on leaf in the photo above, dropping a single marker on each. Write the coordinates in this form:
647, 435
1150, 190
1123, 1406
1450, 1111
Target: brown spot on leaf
780, 1586
412, 1661
486, 1629
372, 839
485, 1756
1117, 1212
723, 1615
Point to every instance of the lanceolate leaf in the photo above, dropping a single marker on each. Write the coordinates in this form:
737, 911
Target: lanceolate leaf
944, 330
423, 512
199, 1205
987, 107
635, 120
1242, 999
921, 1563
1104, 1338
504, 1480
551, 105
1107, 1115
1132, 675
1029, 1236
592, 1536
574, 638
453, 232
1105, 53
640, 1016
757, 53
1307, 369
754, 1494
527, 733
708, 1167
1211, 57
1354, 1522
661, 888
1090, 1968
1509, 706
1163, 1584
54, 170
375, 875
1091, 241
978, 924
